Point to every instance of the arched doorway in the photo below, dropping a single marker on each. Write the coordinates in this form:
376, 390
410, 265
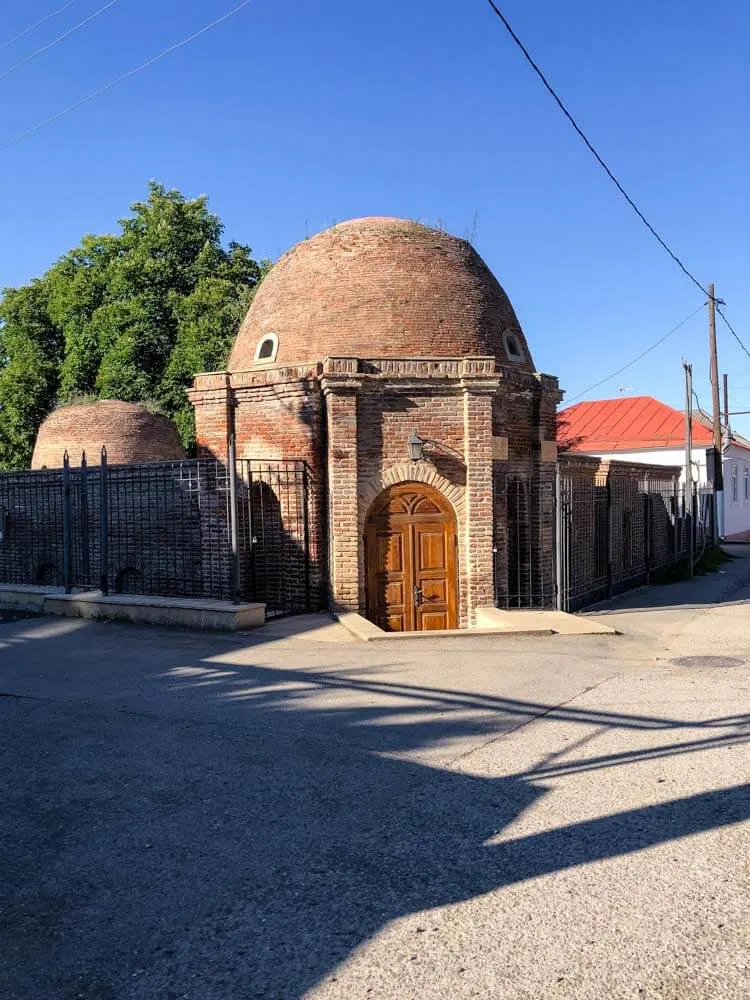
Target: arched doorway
410, 553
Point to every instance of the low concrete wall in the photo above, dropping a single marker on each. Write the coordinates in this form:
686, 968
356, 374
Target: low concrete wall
185, 612
217, 615
15, 597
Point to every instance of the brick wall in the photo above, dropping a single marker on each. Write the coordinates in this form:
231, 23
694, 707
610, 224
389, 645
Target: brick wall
350, 420
621, 520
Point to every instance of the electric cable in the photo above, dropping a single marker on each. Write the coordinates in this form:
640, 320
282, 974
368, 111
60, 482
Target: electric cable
124, 76
36, 24
600, 160
641, 355
60, 38
591, 147
732, 331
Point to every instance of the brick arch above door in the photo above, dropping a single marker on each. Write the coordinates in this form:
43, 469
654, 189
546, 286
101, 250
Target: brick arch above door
409, 472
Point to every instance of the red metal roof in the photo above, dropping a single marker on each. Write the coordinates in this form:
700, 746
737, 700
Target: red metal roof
632, 423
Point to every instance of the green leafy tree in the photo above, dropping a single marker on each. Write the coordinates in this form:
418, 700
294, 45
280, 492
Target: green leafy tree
130, 316
30, 354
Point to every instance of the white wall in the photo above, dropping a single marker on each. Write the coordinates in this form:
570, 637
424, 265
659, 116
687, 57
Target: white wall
736, 490
663, 456
736, 512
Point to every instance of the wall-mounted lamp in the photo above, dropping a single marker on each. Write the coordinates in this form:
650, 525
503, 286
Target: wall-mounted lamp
416, 446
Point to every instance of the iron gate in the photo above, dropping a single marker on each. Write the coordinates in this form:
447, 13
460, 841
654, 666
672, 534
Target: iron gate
274, 535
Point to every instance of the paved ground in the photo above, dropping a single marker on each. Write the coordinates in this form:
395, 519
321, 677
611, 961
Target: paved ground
286, 815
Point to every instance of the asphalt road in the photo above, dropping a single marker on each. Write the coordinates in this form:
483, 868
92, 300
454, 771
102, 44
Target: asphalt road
291, 814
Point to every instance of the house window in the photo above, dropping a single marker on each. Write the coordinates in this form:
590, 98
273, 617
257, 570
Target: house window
734, 483
747, 495
267, 348
512, 346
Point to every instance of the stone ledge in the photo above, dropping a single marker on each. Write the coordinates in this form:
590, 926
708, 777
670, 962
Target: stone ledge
140, 609
25, 597
557, 622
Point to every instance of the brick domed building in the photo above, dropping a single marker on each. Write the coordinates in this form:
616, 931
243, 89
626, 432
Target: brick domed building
130, 432
387, 358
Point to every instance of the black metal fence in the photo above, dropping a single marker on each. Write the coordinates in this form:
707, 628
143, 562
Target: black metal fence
162, 528
616, 535
274, 534
187, 529
524, 538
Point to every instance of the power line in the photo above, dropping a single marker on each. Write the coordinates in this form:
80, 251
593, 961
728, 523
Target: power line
113, 83
591, 148
732, 330
60, 38
641, 355
548, 86
37, 24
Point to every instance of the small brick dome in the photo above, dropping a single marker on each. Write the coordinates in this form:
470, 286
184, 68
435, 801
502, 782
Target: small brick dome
379, 287
130, 432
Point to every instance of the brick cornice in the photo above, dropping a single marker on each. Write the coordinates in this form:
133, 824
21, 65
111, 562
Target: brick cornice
340, 385
275, 376
479, 385
211, 380
277, 390
207, 397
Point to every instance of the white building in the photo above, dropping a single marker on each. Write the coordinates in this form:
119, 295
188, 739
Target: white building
641, 429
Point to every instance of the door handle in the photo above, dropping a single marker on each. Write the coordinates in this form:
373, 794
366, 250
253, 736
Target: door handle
417, 596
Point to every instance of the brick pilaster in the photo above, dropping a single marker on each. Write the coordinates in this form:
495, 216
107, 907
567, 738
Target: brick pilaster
479, 513
211, 399
343, 529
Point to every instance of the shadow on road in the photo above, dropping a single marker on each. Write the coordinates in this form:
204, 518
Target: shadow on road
152, 853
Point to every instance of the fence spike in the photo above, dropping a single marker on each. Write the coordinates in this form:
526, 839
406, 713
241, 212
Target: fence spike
83, 460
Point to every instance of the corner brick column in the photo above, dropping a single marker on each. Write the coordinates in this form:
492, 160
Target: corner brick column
343, 529
479, 500
211, 398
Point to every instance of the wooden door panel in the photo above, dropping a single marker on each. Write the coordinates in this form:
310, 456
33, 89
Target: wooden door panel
389, 598
390, 554
435, 591
411, 547
431, 553
434, 575
391, 593
434, 621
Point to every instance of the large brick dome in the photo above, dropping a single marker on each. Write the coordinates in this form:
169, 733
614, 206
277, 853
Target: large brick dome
130, 432
379, 287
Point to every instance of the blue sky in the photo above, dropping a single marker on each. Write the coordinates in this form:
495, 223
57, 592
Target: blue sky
296, 114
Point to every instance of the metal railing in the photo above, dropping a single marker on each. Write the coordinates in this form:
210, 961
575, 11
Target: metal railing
162, 528
615, 535
524, 538
274, 534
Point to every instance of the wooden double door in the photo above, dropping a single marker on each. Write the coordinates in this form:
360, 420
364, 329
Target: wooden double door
410, 552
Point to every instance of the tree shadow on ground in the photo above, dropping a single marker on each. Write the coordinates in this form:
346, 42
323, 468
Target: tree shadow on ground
153, 852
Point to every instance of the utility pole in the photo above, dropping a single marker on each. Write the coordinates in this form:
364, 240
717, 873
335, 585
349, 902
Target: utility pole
718, 483
725, 378
716, 414
688, 485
